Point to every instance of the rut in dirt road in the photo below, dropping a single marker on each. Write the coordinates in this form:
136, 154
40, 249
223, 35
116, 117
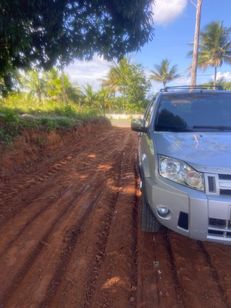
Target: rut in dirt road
70, 236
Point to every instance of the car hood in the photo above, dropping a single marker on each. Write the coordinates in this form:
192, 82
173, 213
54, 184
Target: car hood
206, 152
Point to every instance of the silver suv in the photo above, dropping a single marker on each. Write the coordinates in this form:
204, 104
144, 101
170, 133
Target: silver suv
185, 163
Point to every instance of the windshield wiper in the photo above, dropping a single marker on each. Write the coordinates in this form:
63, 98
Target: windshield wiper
173, 128
221, 128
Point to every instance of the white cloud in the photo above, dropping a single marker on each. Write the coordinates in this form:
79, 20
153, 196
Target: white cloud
88, 72
166, 11
224, 75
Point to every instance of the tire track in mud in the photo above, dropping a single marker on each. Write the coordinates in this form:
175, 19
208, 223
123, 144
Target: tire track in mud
214, 274
69, 141
100, 256
9, 209
29, 221
44, 208
8, 192
41, 176
6, 211
49, 204
72, 289
158, 283
65, 239
194, 274
101, 244
172, 260
70, 242
71, 292
135, 224
180, 271
31, 258
170, 291
99, 275
148, 292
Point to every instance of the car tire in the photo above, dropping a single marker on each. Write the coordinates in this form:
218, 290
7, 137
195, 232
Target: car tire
149, 223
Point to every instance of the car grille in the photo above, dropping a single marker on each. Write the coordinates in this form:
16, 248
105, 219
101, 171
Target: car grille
218, 184
219, 227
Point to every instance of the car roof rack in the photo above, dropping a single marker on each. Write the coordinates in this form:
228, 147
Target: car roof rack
176, 88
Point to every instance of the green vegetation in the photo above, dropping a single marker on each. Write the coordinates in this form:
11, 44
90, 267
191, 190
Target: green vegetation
15, 117
214, 47
164, 73
9, 126
51, 93
127, 85
48, 100
42, 100
221, 83
49, 33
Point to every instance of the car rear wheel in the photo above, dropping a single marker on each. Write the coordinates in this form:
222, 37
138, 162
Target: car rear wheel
149, 223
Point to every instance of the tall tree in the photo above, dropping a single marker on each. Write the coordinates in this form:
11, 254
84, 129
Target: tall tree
196, 43
128, 81
49, 85
164, 72
51, 31
111, 83
215, 47
57, 85
90, 97
33, 81
104, 99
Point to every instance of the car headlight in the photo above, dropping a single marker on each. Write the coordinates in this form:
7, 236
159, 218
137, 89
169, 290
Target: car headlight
180, 172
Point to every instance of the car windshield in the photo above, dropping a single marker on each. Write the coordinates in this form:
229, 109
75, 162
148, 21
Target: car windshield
194, 112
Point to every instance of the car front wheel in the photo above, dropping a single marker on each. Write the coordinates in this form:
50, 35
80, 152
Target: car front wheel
149, 223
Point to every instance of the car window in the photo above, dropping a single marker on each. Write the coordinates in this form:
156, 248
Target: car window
194, 112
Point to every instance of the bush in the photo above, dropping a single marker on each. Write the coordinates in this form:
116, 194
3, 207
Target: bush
19, 111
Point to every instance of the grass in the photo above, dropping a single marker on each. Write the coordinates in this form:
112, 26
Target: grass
18, 112
25, 104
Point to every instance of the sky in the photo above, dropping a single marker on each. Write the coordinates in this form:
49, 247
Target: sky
174, 23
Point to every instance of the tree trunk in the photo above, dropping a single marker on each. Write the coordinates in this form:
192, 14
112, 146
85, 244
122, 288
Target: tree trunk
196, 45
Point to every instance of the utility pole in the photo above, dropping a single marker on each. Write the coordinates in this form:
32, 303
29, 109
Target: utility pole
198, 6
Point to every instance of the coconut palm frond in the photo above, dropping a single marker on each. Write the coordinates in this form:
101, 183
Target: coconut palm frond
164, 73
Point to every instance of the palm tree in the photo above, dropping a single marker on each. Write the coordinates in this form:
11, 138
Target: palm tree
127, 82
90, 97
112, 81
215, 47
118, 76
57, 85
33, 81
105, 100
164, 73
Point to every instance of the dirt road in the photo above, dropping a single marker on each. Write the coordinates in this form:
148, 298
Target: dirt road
70, 237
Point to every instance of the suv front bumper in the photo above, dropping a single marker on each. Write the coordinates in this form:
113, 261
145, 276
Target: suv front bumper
192, 213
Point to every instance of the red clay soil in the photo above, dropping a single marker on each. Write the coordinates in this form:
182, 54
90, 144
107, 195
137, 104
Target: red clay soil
70, 235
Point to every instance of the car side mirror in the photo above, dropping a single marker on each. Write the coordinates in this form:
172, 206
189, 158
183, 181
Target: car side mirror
138, 125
